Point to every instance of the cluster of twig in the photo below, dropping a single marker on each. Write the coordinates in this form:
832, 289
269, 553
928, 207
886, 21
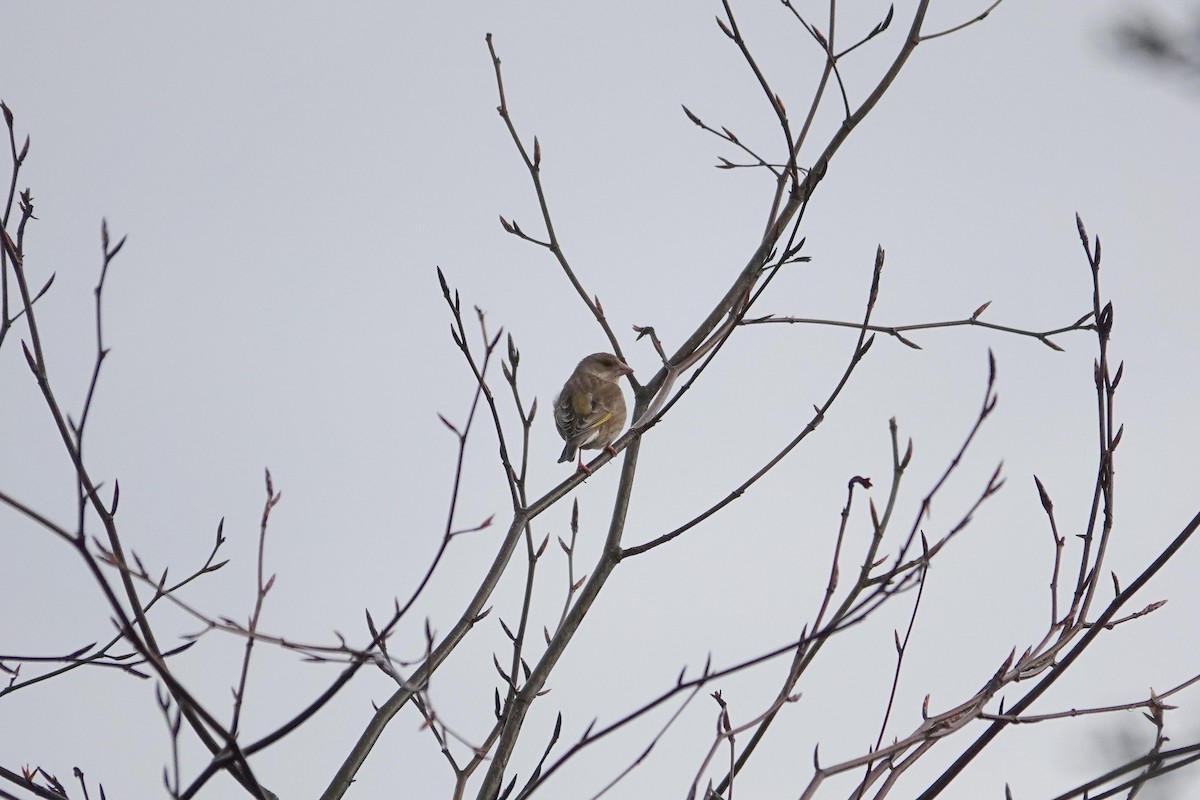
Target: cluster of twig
1069, 633
95, 538
889, 569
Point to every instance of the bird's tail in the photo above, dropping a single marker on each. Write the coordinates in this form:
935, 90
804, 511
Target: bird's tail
568, 453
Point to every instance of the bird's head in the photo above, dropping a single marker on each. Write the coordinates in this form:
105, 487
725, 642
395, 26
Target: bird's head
605, 365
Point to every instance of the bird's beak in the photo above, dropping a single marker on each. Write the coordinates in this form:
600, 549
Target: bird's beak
626, 369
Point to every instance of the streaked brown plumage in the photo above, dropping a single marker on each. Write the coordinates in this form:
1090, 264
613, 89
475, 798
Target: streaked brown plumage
589, 412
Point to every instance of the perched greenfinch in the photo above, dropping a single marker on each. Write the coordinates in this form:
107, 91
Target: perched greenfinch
590, 410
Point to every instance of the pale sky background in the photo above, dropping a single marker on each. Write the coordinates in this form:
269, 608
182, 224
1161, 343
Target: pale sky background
289, 175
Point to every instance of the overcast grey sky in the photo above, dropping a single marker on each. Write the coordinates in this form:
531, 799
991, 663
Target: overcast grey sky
290, 175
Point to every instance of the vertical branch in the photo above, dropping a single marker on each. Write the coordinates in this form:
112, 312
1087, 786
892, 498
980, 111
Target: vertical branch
9, 250
1048, 506
1107, 439
262, 586
609, 559
533, 163
901, 650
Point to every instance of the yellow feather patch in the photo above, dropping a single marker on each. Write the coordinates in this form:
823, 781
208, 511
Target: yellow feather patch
607, 416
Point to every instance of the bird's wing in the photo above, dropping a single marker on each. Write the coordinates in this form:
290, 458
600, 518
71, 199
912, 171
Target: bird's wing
581, 408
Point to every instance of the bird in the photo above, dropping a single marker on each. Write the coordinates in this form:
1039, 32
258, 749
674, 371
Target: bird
589, 412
